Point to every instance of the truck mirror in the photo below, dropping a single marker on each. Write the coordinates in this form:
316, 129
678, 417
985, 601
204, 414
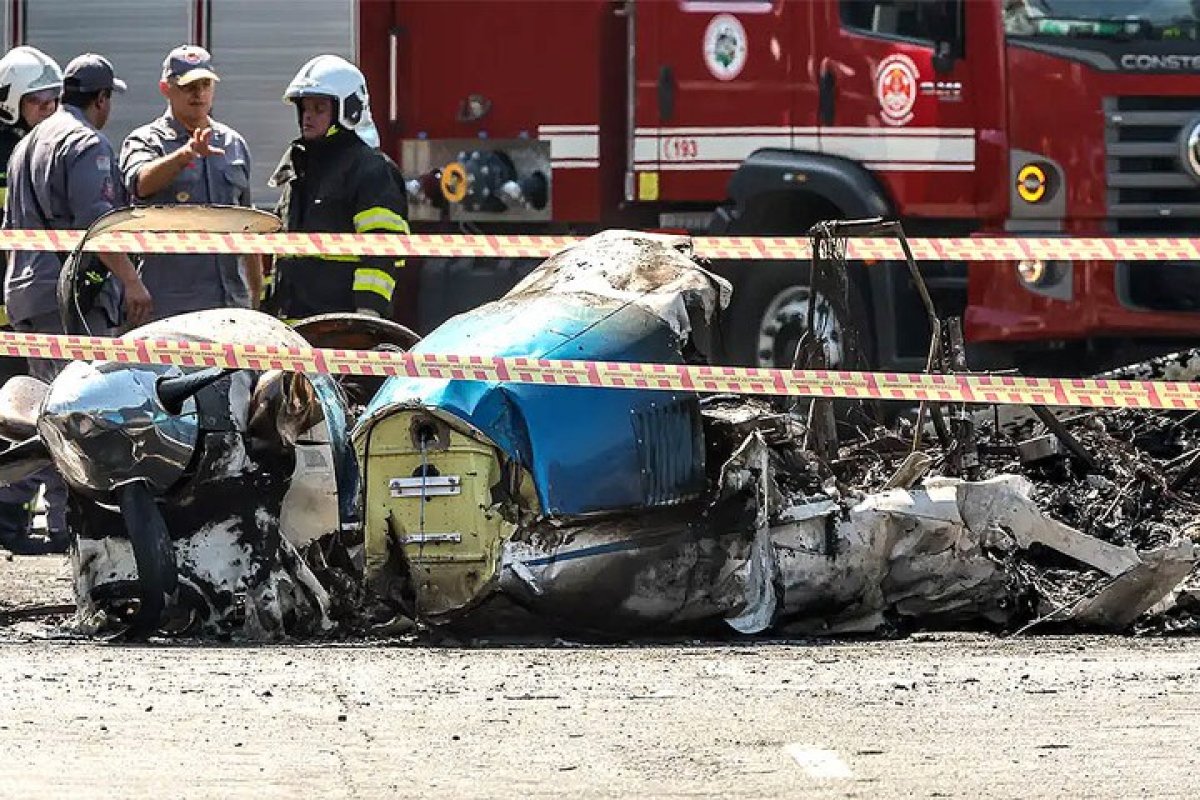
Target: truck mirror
945, 23
944, 56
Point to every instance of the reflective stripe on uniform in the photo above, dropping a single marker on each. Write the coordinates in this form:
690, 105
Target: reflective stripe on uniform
378, 218
367, 279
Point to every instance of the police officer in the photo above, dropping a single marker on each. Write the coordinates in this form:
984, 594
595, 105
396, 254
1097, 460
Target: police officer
335, 180
63, 175
185, 156
30, 85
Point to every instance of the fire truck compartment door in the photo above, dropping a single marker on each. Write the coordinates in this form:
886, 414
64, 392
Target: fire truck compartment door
713, 84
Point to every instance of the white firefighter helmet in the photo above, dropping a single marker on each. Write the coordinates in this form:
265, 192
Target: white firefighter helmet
334, 76
24, 70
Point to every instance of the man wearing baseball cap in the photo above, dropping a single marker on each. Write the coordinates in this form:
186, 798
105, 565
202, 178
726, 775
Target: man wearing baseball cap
185, 156
63, 175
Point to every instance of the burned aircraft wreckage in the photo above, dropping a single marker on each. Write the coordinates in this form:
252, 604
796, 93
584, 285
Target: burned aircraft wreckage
219, 501
637, 510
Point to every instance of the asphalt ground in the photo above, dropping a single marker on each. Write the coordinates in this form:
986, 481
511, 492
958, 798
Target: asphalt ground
934, 715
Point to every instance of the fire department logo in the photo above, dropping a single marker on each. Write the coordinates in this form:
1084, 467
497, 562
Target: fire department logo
896, 83
1190, 146
725, 47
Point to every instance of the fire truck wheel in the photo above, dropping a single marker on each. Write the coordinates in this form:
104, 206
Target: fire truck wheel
768, 316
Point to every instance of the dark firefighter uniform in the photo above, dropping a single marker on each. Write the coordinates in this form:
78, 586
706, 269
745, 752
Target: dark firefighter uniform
338, 184
9, 136
14, 512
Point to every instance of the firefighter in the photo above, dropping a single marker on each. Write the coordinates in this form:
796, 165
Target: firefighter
63, 175
30, 85
185, 156
335, 180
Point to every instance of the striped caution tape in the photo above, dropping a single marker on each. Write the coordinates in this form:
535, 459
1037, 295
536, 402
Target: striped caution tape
736, 248
983, 389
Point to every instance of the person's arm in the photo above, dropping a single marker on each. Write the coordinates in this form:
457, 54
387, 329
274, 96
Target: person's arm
252, 262
139, 306
380, 207
254, 277
147, 174
5, 255
270, 261
94, 189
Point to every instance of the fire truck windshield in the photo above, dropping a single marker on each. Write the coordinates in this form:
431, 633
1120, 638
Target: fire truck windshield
1104, 19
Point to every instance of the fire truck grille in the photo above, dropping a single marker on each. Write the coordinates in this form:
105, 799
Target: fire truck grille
1152, 193
1147, 179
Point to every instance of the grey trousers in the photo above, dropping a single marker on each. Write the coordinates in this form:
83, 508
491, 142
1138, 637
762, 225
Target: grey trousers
45, 369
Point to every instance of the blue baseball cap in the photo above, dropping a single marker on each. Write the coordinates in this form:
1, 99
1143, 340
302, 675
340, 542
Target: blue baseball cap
91, 73
188, 63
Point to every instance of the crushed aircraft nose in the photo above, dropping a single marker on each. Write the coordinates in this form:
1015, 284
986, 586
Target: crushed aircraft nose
459, 474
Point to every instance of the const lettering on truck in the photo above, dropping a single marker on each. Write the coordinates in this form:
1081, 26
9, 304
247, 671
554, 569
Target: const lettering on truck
1151, 62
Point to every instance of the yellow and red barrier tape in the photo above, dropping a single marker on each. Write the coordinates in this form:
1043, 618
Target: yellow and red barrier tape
737, 248
983, 389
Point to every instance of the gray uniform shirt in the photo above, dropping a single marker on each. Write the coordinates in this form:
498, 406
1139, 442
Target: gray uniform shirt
63, 175
191, 282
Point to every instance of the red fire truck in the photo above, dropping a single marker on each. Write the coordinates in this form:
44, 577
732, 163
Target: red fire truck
1047, 117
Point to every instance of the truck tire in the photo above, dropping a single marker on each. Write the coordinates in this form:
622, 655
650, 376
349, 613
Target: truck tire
769, 312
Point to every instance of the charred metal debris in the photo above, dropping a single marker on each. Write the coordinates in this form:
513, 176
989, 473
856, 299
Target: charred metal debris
1126, 478
759, 514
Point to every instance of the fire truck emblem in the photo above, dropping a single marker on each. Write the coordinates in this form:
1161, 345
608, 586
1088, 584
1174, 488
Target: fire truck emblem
725, 47
1190, 155
896, 83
